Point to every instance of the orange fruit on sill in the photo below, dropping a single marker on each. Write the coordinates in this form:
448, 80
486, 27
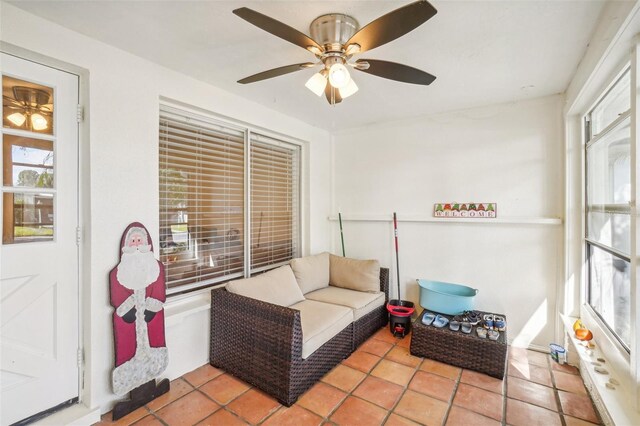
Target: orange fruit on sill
584, 334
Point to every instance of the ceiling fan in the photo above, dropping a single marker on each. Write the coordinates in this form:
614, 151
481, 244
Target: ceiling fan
28, 106
335, 38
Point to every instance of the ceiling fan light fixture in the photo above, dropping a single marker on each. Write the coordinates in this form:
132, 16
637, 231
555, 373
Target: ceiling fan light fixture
352, 49
349, 89
339, 76
38, 122
315, 50
17, 119
317, 83
361, 65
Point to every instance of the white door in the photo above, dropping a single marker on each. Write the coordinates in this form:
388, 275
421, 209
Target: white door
39, 255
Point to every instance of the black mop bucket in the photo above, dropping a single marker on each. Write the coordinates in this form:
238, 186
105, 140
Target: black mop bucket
400, 312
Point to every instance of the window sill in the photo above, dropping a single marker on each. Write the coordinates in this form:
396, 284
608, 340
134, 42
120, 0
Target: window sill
178, 309
614, 406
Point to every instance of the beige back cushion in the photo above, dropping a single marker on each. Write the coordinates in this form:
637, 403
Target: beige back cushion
312, 272
354, 274
277, 286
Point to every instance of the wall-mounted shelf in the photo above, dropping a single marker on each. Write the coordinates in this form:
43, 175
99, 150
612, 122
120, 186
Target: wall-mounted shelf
554, 221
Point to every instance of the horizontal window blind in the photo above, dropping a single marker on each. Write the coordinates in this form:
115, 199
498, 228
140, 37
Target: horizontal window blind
201, 200
275, 193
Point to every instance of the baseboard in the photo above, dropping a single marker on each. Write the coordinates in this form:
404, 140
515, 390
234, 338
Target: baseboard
531, 346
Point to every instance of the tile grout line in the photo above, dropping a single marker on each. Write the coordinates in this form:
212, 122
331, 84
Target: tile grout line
556, 393
450, 404
270, 414
404, 391
505, 390
349, 393
221, 405
406, 387
389, 412
153, 413
456, 384
505, 386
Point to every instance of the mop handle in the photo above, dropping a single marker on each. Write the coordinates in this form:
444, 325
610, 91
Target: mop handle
395, 232
341, 234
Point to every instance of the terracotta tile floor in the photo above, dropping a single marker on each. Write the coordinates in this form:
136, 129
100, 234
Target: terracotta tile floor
382, 383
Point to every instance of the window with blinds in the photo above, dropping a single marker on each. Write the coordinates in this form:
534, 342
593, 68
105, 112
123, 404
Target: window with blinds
201, 201
274, 202
204, 195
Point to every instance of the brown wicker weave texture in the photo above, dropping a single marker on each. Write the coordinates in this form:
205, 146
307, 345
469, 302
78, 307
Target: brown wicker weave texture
261, 343
462, 350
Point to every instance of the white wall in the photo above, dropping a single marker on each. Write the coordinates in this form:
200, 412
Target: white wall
122, 152
511, 154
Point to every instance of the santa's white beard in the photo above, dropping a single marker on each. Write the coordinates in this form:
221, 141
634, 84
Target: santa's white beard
137, 269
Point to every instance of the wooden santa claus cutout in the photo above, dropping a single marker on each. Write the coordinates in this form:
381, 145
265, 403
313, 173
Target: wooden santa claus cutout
137, 294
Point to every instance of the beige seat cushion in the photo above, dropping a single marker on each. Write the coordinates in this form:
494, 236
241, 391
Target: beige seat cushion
277, 286
312, 272
320, 323
354, 274
361, 302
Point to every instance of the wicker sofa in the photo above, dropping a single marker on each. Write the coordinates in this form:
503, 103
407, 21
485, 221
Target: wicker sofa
262, 343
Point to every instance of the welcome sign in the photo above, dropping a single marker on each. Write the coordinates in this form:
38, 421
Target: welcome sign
469, 210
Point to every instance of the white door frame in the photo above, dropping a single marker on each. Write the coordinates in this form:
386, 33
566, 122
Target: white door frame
85, 396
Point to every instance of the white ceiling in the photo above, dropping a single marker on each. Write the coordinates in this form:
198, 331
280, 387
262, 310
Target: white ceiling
482, 52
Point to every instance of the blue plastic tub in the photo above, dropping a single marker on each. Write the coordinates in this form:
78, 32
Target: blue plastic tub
446, 298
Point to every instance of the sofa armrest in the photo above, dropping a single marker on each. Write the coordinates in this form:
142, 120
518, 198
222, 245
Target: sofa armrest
254, 340
384, 282
261, 325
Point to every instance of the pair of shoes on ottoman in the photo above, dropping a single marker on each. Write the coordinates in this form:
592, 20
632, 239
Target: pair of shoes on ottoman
491, 333
438, 321
491, 322
473, 317
460, 322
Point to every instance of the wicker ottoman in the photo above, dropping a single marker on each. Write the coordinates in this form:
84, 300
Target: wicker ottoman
457, 348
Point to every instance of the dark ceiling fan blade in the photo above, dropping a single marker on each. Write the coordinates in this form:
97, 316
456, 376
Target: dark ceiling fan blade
393, 25
275, 72
397, 72
12, 101
336, 94
276, 28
